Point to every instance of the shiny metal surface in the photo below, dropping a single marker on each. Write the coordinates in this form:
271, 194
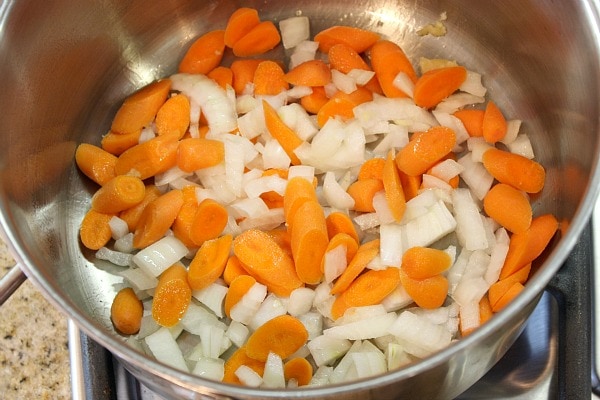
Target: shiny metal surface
67, 66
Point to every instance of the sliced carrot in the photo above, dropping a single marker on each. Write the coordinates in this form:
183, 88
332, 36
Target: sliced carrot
95, 231
286, 137
126, 312
222, 75
147, 159
359, 96
499, 288
485, 309
343, 239
344, 58
268, 79
238, 287
197, 153
116, 143
173, 117
118, 194
243, 73
260, 39
266, 261
472, 120
182, 226
427, 293
509, 207
237, 359
335, 107
363, 192
157, 218
172, 296
205, 54
283, 238
366, 252
233, 269
410, 184
524, 247
388, 60
435, 85
494, 124
140, 108
309, 73
313, 102
96, 163
368, 289
132, 215
299, 369
210, 220
309, 241
240, 22
424, 262
394, 194
297, 191
282, 335
508, 296
339, 222
209, 262
356, 38
426, 150
513, 169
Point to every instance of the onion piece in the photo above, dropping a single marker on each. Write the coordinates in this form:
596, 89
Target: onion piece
367, 328
160, 255
512, 130
326, 349
473, 85
335, 195
294, 31
248, 376
115, 257
361, 76
521, 146
118, 227
403, 82
469, 230
139, 279
165, 349
210, 368
477, 178
212, 297
271, 307
301, 300
343, 82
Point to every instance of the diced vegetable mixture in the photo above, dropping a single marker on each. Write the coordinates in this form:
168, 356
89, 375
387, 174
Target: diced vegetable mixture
329, 218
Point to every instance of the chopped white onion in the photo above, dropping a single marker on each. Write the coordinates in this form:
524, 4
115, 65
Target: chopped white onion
273, 374
326, 349
165, 349
469, 230
160, 255
139, 279
212, 297
115, 257
248, 376
335, 195
343, 82
301, 301
294, 30
521, 146
118, 227
403, 82
512, 130
210, 368
473, 85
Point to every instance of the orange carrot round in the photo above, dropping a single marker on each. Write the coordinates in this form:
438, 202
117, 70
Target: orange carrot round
118, 194
147, 159
282, 335
508, 296
172, 296
298, 368
260, 39
173, 117
365, 253
287, 138
222, 75
426, 150
344, 58
435, 85
309, 242
233, 269
297, 191
427, 293
335, 107
96, 163
117, 143
210, 220
372, 169
126, 312
509, 207
313, 102
394, 194
243, 73
95, 231
197, 153
309, 73
268, 79
515, 170
238, 287
237, 359
240, 22
343, 239
388, 60
209, 262
204, 54
356, 38
472, 120
424, 262
157, 218
339, 222
494, 124
363, 191
132, 215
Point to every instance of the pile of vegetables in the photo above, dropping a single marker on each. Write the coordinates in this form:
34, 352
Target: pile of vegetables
311, 223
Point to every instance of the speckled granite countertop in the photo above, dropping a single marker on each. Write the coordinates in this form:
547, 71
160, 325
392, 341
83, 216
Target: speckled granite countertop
34, 355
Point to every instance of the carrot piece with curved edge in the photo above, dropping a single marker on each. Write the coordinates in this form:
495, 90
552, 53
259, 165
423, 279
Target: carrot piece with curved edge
426, 150
140, 108
183, 222
95, 231
271, 198
205, 53
95, 163
173, 117
434, 86
499, 288
524, 247
260, 39
233, 269
157, 218
313, 102
126, 312
424, 262
309, 73
243, 73
365, 253
363, 192
172, 296
339, 222
514, 169
472, 120
197, 153
343, 239
118, 194
359, 96
299, 369
309, 241
508, 296
283, 238
282, 335
344, 58
494, 124
209, 262
485, 309
368, 289
238, 287
237, 359
356, 38
335, 107
394, 194
210, 220
388, 60
147, 159
268, 79
297, 191
509, 207
240, 22
371, 169
266, 261
132, 215
222, 75
427, 293
286, 137
116, 143
410, 184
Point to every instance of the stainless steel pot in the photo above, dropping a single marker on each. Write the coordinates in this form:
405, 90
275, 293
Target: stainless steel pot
67, 65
